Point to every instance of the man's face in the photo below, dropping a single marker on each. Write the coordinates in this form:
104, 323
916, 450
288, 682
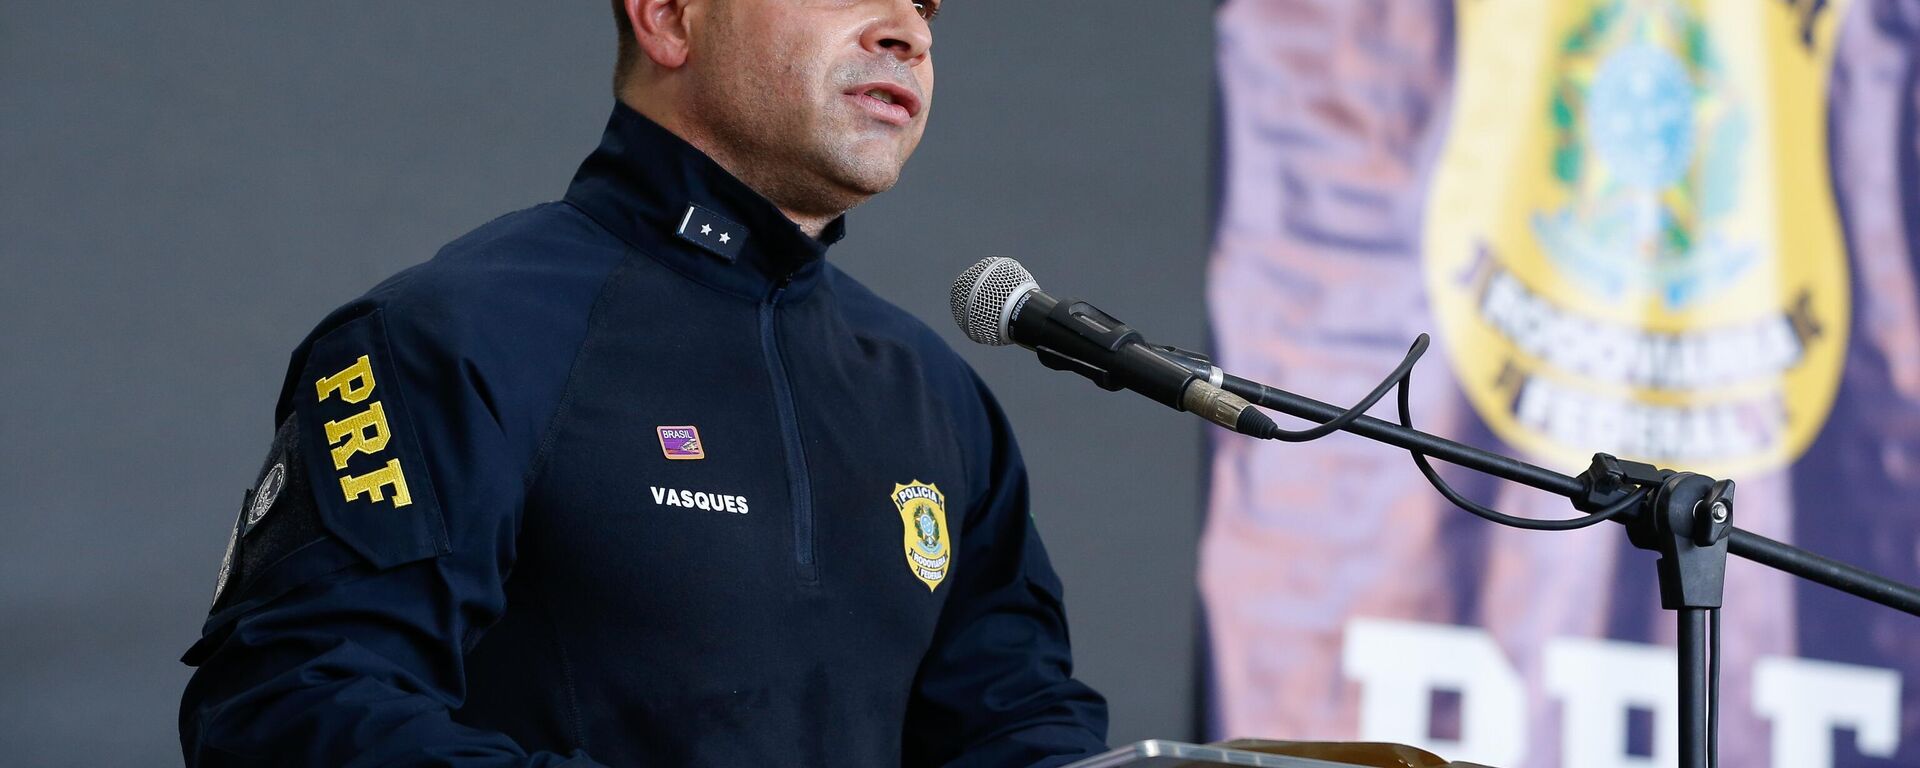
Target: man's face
822, 100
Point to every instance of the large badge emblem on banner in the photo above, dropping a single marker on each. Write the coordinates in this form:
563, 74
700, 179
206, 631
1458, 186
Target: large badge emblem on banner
1641, 255
923, 511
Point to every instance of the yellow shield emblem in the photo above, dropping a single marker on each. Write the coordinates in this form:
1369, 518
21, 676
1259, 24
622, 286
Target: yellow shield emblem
1631, 243
923, 513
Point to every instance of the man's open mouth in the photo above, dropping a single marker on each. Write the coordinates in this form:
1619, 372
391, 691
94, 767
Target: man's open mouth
888, 101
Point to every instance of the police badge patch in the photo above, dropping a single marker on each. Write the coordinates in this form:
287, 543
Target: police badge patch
276, 518
254, 507
923, 513
267, 492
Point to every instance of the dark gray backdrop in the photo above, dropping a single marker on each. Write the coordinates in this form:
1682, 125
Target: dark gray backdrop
185, 188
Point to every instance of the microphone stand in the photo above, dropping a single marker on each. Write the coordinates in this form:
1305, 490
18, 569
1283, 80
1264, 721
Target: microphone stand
1685, 517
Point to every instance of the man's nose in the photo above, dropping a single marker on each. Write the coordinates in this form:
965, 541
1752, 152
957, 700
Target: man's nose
900, 32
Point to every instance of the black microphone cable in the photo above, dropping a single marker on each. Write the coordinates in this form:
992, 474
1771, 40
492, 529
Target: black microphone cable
1402, 377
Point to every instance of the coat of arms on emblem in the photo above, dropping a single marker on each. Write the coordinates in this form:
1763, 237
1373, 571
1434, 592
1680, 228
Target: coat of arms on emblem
923, 512
1635, 244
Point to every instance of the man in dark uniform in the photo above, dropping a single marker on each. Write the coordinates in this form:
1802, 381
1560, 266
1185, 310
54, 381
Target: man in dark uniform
637, 478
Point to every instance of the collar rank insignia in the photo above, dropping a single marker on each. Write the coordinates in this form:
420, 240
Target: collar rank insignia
681, 443
712, 232
923, 512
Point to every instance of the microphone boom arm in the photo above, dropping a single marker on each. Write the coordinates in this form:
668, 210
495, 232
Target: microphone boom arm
1685, 517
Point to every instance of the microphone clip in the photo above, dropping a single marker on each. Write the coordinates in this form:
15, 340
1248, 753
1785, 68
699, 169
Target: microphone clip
1099, 331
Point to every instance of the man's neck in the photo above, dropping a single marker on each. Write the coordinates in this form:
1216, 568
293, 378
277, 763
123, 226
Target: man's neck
812, 224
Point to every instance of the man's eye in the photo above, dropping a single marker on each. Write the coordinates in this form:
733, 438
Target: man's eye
927, 10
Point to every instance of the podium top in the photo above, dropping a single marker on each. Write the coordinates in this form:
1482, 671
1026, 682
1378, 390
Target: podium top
1157, 753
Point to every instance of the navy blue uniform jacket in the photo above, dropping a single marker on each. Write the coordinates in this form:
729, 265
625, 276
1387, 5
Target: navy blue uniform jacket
636, 478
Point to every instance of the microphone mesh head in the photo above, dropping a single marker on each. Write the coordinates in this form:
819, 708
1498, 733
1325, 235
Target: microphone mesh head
981, 297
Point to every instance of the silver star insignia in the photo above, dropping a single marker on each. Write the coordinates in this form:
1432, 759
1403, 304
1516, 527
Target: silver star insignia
706, 229
725, 237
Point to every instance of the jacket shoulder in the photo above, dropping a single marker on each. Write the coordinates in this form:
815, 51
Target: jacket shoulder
508, 302
530, 265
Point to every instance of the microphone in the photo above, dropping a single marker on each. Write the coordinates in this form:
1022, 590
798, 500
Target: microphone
997, 302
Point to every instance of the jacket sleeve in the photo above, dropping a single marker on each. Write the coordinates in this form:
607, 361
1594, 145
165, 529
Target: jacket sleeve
997, 687
362, 569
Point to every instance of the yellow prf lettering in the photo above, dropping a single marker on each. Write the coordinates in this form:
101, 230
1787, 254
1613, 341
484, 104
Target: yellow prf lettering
370, 484
353, 384
364, 432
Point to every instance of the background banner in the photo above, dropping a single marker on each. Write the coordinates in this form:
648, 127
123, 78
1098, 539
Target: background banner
1679, 231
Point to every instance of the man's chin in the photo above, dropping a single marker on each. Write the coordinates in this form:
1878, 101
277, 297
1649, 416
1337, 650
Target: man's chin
867, 176
874, 185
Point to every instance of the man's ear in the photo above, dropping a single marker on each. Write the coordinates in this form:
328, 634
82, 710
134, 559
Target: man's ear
661, 30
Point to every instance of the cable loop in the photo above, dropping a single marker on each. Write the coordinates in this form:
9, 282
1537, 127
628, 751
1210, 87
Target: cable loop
1402, 377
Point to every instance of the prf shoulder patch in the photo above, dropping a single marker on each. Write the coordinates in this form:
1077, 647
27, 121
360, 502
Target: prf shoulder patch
369, 477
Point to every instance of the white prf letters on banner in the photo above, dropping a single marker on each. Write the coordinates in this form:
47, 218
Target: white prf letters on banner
1597, 682
1400, 664
1807, 700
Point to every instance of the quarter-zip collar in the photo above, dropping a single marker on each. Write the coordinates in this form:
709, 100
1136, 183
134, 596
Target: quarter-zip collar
642, 184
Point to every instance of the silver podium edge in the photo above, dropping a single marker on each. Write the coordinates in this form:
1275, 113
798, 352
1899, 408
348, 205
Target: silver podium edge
1157, 752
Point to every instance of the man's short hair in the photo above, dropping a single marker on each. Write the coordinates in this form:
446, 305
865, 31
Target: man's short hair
628, 51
